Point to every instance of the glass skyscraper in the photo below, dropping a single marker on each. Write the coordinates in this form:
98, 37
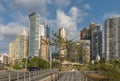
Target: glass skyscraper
34, 34
38, 33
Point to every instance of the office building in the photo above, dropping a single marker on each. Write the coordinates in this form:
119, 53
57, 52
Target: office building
34, 35
38, 33
112, 39
95, 40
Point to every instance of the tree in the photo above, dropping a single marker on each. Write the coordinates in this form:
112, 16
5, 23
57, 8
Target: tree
71, 46
56, 64
36, 61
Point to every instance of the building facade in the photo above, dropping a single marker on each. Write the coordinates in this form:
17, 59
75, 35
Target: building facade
84, 34
3, 58
62, 51
85, 45
12, 52
38, 33
34, 34
96, 40
21, 45
112, 39
44, 41
62, 33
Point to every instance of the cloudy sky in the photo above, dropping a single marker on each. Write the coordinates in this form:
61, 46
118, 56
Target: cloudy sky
70, 14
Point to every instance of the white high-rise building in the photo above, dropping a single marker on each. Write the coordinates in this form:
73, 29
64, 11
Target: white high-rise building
12, 52
63, 50
21, 45
62, 33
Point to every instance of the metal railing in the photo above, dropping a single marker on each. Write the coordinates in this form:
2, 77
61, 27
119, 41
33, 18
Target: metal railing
28, 76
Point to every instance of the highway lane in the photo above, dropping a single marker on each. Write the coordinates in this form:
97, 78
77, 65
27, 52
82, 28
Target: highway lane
71, 76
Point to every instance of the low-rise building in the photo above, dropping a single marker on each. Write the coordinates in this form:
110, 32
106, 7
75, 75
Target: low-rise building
3, 58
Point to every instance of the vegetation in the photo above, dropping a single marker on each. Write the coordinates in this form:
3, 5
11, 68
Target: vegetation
74, 48
17, 66
56, 64
111, 72
35, 61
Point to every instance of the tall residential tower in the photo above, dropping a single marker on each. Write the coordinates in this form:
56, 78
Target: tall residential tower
21, 45
96, 40
63, 51
112, 39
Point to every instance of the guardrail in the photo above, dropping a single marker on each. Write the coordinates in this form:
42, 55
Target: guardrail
28, 76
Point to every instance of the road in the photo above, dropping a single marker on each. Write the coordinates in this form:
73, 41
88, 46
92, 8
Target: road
71, 76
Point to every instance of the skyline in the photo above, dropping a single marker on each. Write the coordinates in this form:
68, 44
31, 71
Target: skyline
69, 14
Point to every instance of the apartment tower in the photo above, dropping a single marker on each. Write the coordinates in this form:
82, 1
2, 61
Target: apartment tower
96, 41
112, 39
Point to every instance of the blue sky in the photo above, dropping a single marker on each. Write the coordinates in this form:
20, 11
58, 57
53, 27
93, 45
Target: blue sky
70, 14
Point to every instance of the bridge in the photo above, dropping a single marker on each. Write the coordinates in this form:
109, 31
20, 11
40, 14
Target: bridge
44, 75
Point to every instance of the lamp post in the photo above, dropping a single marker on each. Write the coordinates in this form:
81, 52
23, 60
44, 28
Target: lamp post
26, 63
50, 59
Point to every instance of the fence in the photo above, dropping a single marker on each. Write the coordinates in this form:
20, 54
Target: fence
28, 76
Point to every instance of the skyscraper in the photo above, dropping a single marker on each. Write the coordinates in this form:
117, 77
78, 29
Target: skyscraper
34, 34
96, 40
62, 50
38, 33
21, 45
112, 39
45, 39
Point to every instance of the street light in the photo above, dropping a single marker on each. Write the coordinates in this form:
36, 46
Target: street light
26, 63
50, 59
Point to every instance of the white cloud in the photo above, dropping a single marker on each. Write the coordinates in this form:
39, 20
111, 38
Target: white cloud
87, 6
2, 7
77, 14
69, 22
37, 5
111, 15
30, 5
10, 30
